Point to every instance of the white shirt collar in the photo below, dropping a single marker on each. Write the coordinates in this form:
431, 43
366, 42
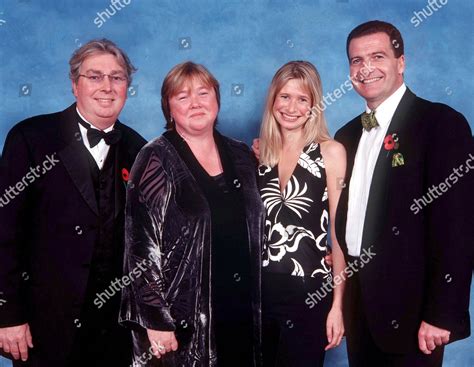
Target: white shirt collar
110, 128
385, 111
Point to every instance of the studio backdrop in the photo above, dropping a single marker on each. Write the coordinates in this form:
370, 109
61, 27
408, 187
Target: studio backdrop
243, 43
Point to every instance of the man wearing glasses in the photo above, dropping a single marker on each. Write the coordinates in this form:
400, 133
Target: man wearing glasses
62, 194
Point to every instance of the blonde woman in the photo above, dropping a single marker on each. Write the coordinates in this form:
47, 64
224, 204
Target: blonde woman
299, 173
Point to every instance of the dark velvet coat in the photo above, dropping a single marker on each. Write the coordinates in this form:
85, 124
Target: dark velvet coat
49, 230
168, 224
422, 254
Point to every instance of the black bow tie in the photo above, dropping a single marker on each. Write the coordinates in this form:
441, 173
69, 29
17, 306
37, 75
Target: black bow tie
95, 135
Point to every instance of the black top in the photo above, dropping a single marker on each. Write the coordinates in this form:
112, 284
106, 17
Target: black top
230, 260
168, 213
297, 219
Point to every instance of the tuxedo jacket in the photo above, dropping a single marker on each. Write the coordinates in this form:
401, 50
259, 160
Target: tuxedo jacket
49, 225
422, 266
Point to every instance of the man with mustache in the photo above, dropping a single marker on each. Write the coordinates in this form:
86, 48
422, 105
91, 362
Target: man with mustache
61, 244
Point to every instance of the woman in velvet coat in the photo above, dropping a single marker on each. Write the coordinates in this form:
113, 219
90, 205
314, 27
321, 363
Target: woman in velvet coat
194, 226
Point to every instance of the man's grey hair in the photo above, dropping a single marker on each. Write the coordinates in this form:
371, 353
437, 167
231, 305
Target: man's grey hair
97, 47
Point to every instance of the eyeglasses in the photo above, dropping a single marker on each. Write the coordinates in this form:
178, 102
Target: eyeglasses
99, 78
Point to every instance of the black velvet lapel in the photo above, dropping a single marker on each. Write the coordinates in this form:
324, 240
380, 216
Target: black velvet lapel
381, 179
198, 172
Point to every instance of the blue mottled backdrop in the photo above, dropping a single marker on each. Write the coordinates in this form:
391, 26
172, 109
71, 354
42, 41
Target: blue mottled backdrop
242, 42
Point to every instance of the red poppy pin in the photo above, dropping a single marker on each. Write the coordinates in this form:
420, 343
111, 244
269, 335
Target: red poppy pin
390, 143
125, 175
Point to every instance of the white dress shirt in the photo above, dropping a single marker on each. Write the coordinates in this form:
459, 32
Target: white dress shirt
100, 151
366, 157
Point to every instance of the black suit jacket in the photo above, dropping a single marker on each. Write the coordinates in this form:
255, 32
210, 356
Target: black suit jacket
422, 267
49, 227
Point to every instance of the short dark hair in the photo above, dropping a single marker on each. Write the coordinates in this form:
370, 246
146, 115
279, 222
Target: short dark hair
177, 77
377, 26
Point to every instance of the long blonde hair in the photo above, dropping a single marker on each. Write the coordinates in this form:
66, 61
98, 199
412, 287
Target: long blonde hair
315, 128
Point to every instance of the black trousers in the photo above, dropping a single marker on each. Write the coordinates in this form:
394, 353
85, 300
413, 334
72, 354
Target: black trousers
294, 335
94, 346
97, 347
361, 348
101, 341
234, 344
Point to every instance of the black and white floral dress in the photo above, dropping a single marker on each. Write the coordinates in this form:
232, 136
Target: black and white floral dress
295, 245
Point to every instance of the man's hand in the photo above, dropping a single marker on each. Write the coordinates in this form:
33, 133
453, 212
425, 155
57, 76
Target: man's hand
256, 147
162, 342
429, 337
16, 340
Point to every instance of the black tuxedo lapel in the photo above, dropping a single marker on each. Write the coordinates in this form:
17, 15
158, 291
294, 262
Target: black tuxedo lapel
121, 163
124, 159
119, 182
351, 148
380, 185
74, 157
351, 143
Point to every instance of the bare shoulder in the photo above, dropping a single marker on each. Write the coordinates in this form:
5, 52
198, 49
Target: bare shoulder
334, 156
333, 151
